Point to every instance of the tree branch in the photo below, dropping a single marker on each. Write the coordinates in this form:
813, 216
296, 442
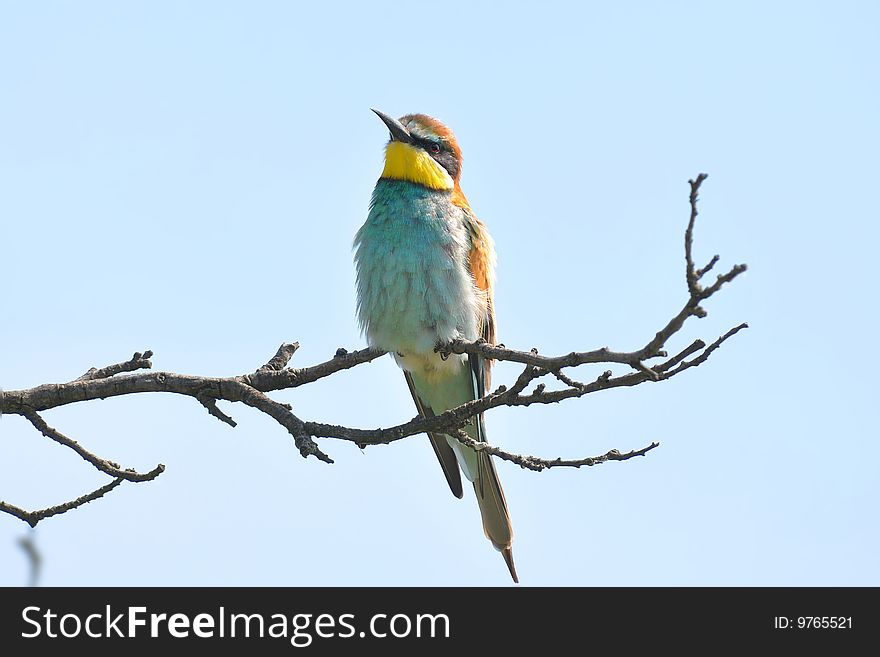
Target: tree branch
105, 466
33, 517
251, 389
538, 464
137, 362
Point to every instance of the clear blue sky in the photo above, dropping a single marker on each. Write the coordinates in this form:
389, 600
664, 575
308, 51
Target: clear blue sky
187, 177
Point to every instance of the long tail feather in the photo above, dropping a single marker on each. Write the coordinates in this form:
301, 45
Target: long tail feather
487, 486
493, 509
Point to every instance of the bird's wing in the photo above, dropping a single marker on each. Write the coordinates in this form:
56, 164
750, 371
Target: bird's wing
481, 262
438, 441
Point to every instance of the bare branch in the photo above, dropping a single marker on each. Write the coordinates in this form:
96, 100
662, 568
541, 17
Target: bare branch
105, 466
707, 351
210, 403
279, 361
281, 413
456, 418
33, 517
267, 380
538, 464
573, 359
695, 346
690, 273
735, 271
704, 270
251, 389
568, 380
140, 361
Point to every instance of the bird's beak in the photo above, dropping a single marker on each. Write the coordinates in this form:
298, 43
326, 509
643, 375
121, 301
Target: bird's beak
395, 127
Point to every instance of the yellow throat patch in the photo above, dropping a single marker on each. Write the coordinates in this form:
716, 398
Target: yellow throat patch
407, 162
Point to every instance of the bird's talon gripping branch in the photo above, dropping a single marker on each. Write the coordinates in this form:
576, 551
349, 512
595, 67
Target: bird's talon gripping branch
445, 348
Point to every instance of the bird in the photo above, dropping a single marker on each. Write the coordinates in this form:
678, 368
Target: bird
425, 276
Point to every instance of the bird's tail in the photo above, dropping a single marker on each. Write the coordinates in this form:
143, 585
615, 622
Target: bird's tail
466, 384
493, 509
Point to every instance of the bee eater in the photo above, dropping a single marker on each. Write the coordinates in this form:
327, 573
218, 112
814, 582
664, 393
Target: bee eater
425, 275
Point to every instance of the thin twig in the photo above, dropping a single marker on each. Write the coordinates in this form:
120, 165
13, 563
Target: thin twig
33, 517
705, 270
539, 464
690, 273
706, 352
279, 361
210, 403
105, 466
140, 361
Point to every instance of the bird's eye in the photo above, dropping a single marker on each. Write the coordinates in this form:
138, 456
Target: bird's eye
434, 148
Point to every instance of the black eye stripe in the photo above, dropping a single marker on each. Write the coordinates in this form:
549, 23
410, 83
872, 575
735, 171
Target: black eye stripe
427, 144
445, 156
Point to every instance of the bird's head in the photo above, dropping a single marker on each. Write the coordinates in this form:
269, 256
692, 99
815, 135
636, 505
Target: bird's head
421, 150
